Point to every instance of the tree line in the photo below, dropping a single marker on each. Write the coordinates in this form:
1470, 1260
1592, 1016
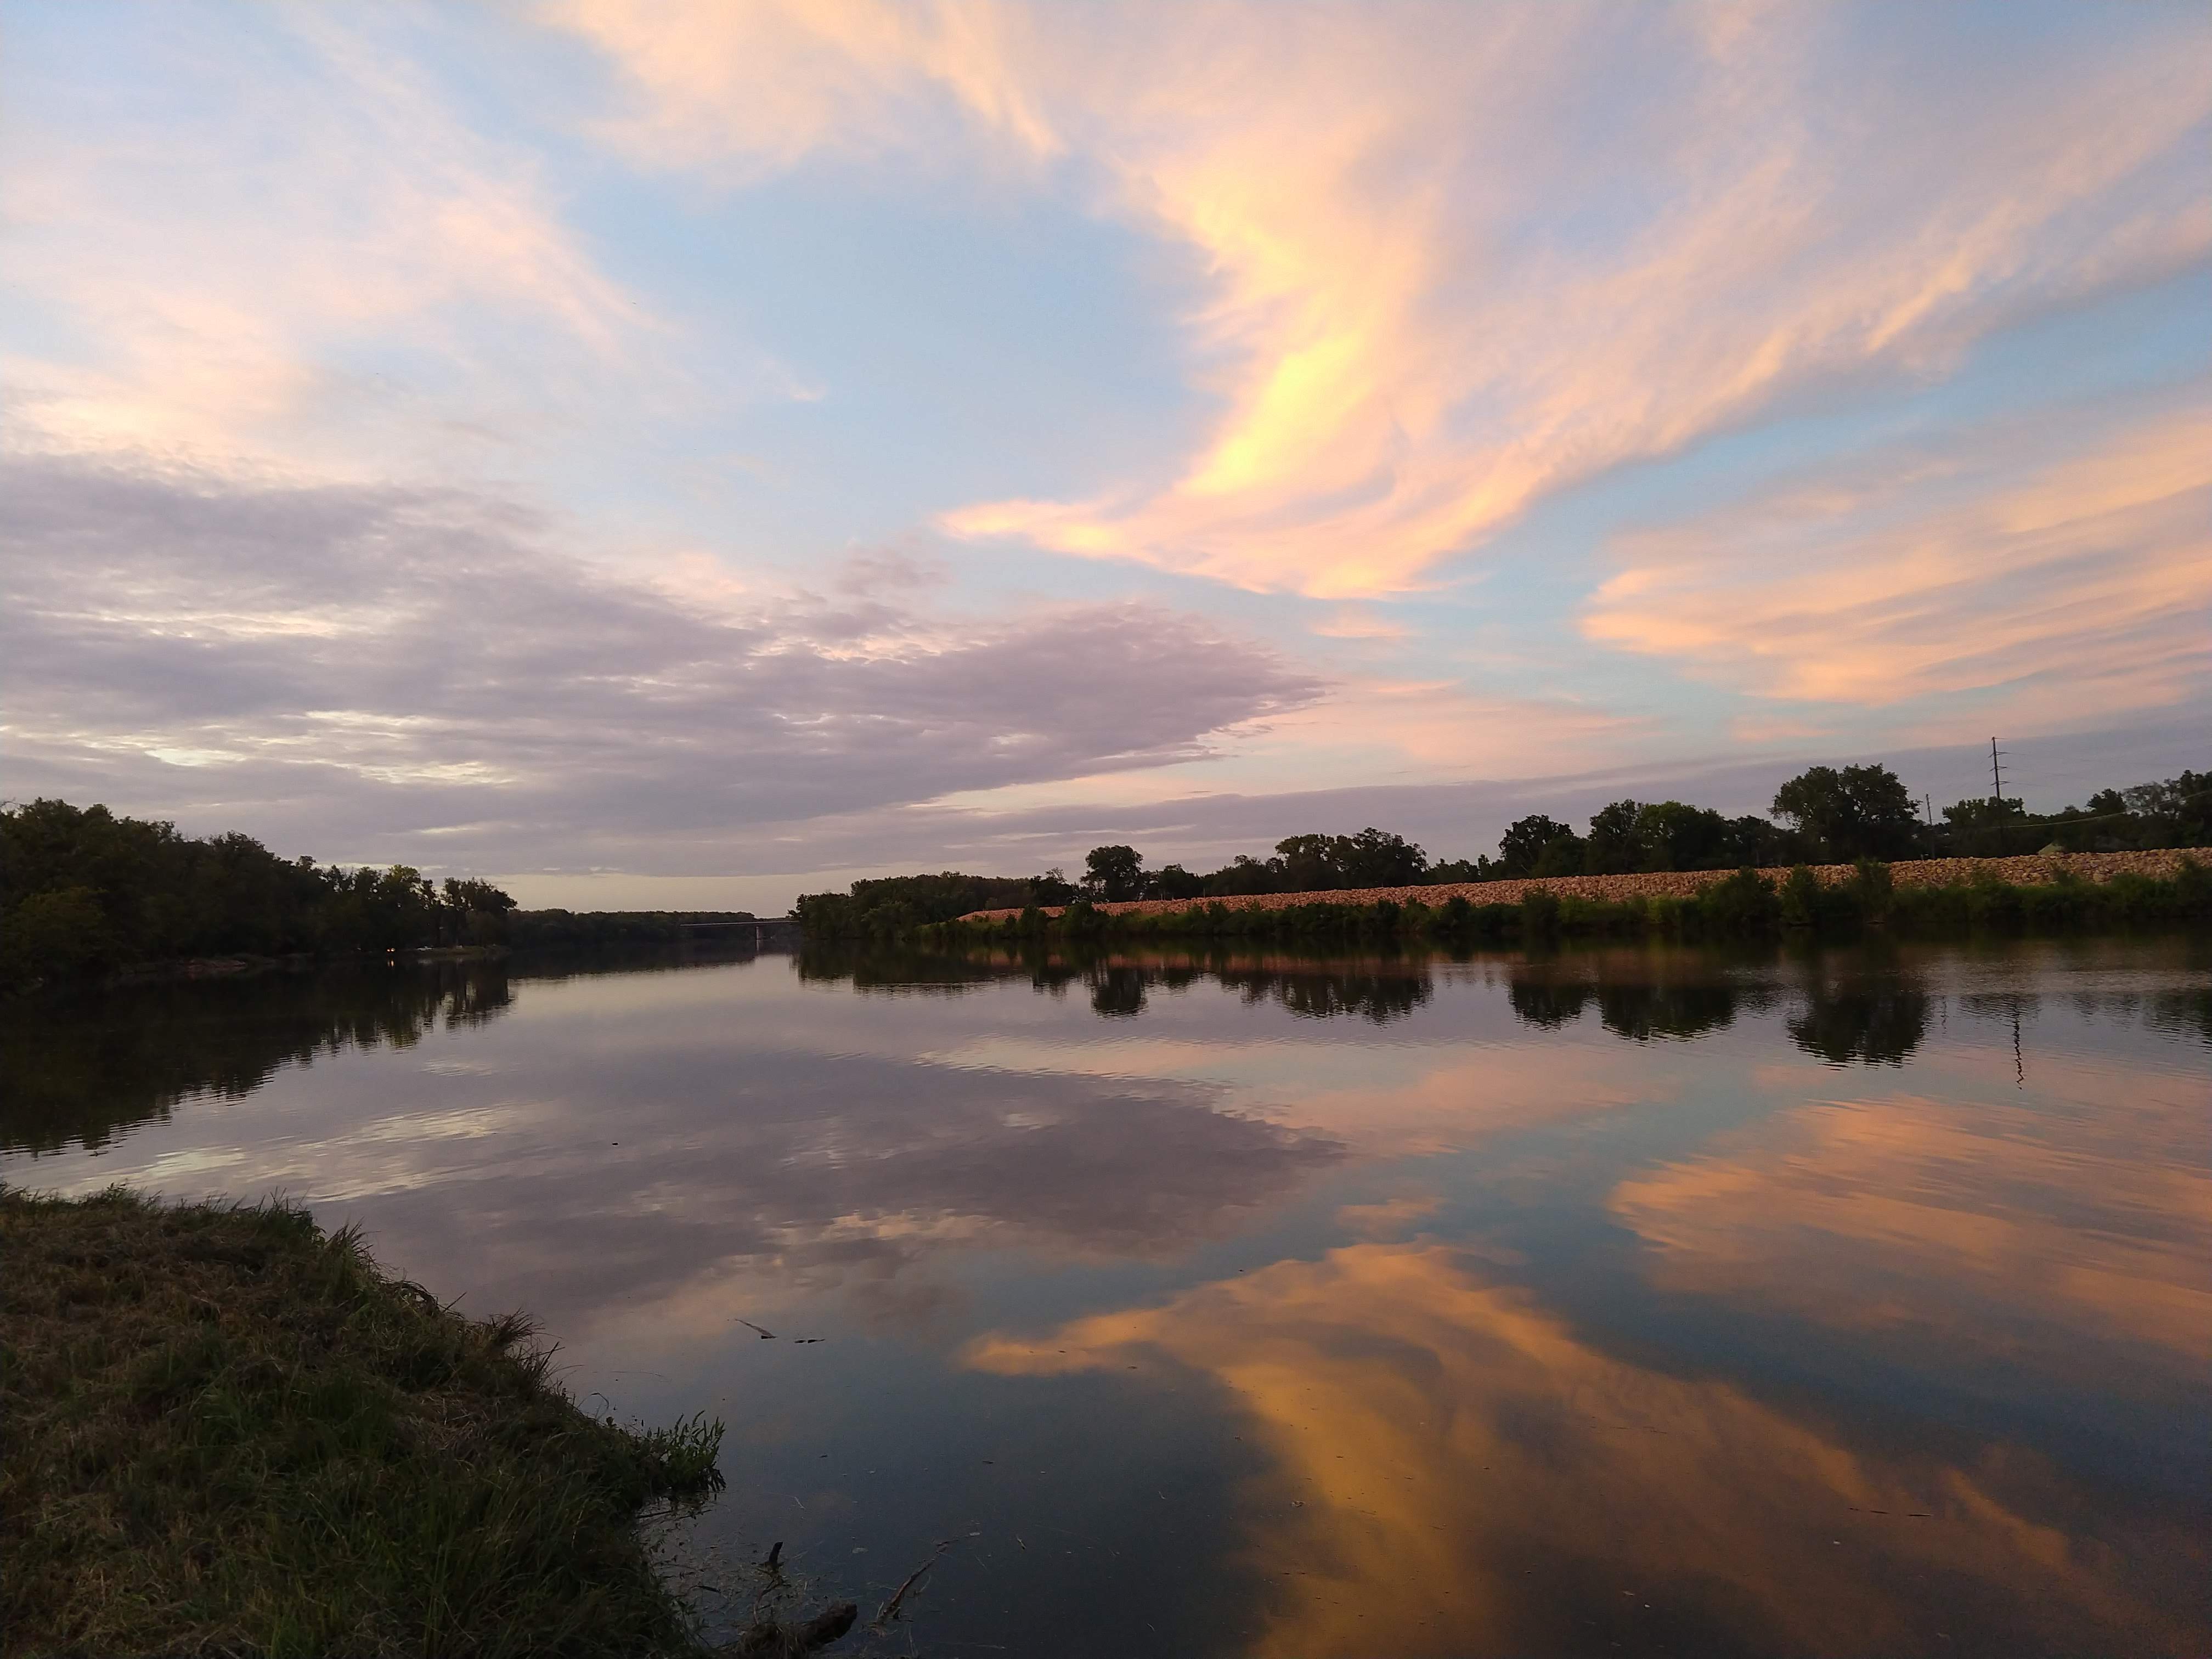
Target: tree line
1825, 815
1744, 904
85, 893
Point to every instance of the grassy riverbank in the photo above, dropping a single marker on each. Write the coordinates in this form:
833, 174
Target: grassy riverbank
229, 1433
2057, 896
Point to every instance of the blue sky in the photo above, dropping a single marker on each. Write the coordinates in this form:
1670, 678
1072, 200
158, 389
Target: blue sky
696, 453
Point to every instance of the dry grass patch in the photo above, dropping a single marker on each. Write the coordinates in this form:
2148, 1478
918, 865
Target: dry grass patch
228, 1434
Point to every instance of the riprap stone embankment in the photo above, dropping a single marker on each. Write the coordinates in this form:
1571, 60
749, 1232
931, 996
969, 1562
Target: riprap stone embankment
2029, 869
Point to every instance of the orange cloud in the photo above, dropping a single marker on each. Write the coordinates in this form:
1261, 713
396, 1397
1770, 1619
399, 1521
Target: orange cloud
1437, 290
2073, 570
1432, 1435
751, 88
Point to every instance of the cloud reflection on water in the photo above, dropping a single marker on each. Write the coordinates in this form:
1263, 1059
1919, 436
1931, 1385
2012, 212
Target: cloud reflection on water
800, 1178
2021, 1226
1438, 1438
1625, 1269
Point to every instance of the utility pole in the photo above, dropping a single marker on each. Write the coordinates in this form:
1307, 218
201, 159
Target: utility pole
1997, 772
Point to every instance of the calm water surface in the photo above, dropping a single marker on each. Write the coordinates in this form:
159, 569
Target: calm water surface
1637, 1301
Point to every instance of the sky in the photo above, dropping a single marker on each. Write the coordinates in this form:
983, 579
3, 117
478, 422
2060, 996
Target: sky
690, 454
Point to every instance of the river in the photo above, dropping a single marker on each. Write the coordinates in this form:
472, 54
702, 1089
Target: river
1620, 1301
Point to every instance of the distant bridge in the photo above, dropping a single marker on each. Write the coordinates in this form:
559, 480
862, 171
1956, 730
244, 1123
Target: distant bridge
766, 931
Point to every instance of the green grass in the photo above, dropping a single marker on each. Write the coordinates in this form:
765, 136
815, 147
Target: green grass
227, 1433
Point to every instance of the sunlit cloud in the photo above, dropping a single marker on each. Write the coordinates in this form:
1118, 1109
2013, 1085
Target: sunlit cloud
1339, 302
1433, 295
749, 88
2063, 563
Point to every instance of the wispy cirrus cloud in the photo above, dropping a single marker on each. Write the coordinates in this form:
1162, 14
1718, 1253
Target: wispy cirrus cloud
1332, 295
2061, 565
1460, 258
284, 251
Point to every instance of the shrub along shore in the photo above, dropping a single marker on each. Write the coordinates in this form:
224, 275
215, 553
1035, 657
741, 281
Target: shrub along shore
229, 1433
2044, 891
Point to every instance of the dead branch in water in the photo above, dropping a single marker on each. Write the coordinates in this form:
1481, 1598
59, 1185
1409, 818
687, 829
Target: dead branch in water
890, 1608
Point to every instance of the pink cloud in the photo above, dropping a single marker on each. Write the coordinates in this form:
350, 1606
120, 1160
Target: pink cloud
2065, 566
1440, 289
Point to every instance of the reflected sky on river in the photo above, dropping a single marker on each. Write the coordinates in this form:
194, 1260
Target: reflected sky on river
1626, 1300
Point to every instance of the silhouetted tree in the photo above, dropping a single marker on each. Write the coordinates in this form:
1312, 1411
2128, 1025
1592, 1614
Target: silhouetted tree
1245, 874
1675, 837
1564, 857
1375, 858
476, 911
1052, 887
1754, 843
1114, 873
1991, 813
1463, 870
1522, 846
84, 892
1614, 846
1172, 881
1860, 811
885, 906
1307, 864
2176, 813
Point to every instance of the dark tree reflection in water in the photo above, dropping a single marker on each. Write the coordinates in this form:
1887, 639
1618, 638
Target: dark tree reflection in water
1876, 1024
1117, 993
1375, 993
1628, 1300
84, 1071
1636, 996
